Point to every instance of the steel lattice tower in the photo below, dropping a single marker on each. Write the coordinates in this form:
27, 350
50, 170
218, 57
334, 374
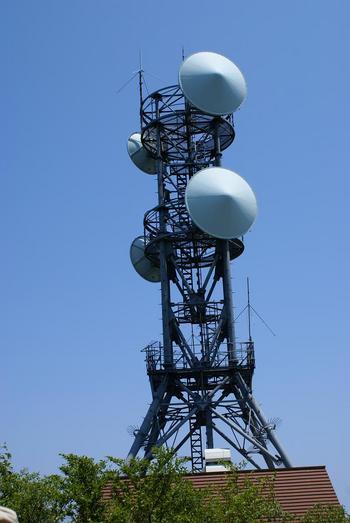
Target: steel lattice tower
200, 377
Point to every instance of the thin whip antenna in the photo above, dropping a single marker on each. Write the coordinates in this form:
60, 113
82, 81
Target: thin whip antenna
264, 322
183, 53
140, 74
240, 314
140, 71
250, 309
249, 312
154, 76
127, 82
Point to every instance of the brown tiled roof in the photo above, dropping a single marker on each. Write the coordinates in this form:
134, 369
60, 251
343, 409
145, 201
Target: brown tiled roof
297, 489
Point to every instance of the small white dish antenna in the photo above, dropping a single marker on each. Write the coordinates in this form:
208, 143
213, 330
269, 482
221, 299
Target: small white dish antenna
221, 203
212, 83
142, 265
140, 156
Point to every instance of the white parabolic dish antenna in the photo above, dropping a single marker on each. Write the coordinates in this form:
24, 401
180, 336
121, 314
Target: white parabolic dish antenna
221, 203
140, 156
212, 83
142, 265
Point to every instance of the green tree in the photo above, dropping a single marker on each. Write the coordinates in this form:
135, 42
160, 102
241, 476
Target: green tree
154, 492
143, 492
81, 488
251, 503
36, 499
157, 492
324, 514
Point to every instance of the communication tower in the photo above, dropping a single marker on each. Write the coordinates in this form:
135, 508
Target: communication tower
200, 376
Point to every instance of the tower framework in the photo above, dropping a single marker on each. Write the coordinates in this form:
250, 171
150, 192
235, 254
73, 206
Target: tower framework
200, 376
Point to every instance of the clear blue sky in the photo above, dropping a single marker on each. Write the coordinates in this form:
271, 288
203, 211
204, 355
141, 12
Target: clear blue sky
73, 312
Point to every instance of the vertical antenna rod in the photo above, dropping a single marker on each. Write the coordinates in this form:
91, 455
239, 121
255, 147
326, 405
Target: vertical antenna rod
140, 84
249, 312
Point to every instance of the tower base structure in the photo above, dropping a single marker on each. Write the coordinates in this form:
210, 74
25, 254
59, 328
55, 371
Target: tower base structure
194, 404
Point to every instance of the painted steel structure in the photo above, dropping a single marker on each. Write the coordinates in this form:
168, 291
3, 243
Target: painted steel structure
200, 377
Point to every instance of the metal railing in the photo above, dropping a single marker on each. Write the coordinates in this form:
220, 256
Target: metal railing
154, 358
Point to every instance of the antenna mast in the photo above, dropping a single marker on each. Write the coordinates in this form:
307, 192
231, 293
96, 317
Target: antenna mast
249, 312
140, 83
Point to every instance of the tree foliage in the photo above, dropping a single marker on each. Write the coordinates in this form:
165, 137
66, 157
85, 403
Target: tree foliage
81, 488
250, 502
322, 514
35, 498
142, 492
154, 492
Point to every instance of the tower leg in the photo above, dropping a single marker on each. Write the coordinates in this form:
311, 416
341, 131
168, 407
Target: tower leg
209, 430
142, 434
159, 422
259, 414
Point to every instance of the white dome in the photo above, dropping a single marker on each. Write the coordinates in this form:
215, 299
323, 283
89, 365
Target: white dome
142, 265
140, 156
212, 83
221, 203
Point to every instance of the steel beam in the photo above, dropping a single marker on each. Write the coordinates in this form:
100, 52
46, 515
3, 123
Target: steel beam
258, 412
142, 434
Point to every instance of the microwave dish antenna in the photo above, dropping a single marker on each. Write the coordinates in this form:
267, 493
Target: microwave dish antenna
221, 203
141, 157
145, 267
212, 83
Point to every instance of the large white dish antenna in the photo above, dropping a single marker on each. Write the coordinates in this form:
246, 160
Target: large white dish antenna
221, 203
140, 156
142, 265
212, 83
